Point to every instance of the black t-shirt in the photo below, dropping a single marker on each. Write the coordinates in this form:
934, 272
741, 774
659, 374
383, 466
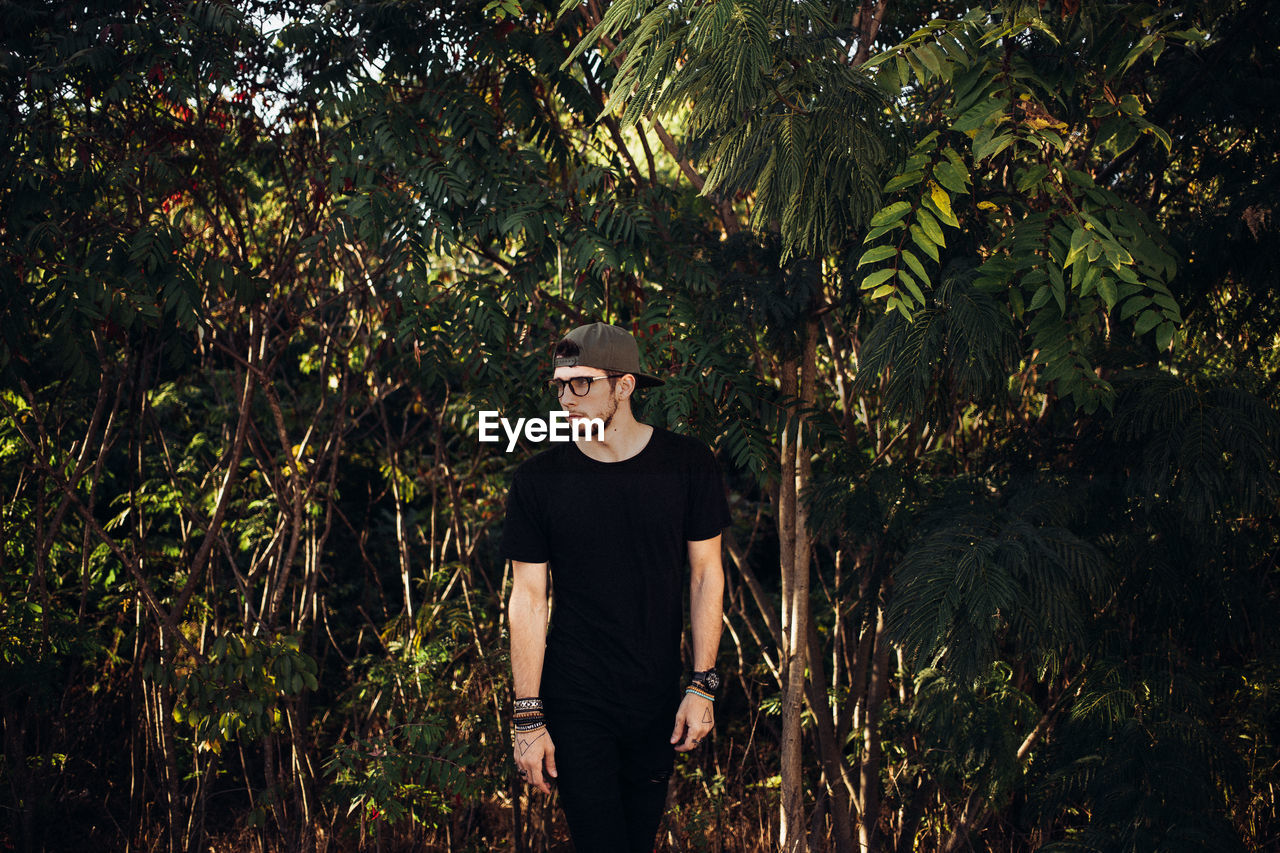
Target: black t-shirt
615, 536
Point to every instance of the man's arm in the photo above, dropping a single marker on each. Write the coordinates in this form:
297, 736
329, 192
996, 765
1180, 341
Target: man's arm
527, 618
696, 716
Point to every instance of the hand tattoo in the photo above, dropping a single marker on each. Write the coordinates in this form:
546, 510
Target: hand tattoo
523, 744
706, 716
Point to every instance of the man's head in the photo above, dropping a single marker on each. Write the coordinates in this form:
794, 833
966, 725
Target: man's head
610, 348
597, 368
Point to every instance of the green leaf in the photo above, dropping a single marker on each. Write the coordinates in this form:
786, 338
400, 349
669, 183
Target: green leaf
1127, 274
916, 163
991, 146
916, 266
1133, 306
909, 179
1147, 321
926, 245
903, 71
1052, 137
877, 278
917, 67
1164, 137
950, 176
879, 231
1042, 296
1118, 133
1140, 48
1167, 302
876, 253
892, 213
896, 304
979, 115
1017, 302
931, 227
910, 282
1107, 290
928, 55
1117, 254
1080, 238
874, 62
1089, 279
1164, 334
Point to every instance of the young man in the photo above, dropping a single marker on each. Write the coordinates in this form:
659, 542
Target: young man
599, 703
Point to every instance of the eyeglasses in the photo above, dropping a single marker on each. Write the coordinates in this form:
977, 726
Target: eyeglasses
579, 385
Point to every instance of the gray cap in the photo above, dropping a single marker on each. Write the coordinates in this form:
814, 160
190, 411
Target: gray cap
606, 347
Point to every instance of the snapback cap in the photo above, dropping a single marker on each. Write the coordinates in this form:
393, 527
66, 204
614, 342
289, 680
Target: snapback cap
606, 347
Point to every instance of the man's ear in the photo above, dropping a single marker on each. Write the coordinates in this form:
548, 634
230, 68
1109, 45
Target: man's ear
626, 385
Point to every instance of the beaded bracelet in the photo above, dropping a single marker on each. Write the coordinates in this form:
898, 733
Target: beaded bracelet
528, 721
698, 691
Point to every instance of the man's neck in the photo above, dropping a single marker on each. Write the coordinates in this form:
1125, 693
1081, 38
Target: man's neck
624, 438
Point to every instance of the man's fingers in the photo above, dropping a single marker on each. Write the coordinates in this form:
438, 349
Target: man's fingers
678, 731
696, 734
532, 775
549, 757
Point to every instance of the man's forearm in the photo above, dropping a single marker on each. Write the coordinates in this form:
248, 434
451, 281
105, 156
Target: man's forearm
527, 618
706, 604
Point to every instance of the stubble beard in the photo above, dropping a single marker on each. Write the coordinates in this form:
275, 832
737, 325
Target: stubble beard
613, 410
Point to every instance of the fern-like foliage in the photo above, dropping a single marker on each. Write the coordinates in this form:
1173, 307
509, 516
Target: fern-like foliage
776, 109
1207, 450
991, 568
1144, 771
971, 731
962, 346
1012, 170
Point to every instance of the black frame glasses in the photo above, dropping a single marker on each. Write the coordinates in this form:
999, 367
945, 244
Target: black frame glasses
573, 383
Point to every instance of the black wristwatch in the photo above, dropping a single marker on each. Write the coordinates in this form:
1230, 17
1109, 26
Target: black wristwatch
707, 679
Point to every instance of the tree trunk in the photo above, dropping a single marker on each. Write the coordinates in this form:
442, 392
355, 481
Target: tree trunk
793, 536
869, 786
829, 747
791, 828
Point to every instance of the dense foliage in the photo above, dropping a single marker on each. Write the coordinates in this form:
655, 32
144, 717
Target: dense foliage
974, 302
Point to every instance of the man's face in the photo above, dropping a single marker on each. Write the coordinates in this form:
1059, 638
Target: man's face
599, 402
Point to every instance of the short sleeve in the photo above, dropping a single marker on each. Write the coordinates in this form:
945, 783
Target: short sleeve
523, 537
707, 510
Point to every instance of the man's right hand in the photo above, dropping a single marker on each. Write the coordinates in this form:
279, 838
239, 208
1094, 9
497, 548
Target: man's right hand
536, 758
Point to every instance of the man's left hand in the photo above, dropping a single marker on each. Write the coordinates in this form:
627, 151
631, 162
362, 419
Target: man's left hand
694, 722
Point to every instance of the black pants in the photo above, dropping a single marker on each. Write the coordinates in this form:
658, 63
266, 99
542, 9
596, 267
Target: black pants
613, 776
